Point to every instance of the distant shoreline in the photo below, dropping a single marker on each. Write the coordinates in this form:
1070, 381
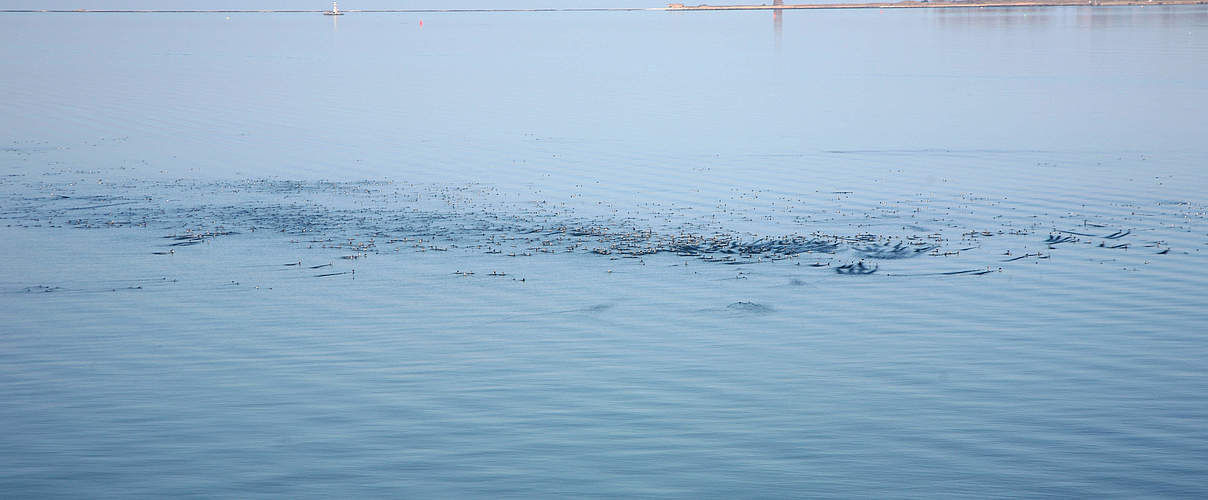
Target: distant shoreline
923, 4
674, 7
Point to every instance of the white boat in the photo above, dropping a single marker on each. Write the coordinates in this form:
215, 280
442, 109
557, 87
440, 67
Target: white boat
335, 10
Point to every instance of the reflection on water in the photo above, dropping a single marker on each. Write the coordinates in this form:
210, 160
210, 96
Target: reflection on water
778, 23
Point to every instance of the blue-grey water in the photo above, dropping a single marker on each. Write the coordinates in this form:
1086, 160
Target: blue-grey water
874, 253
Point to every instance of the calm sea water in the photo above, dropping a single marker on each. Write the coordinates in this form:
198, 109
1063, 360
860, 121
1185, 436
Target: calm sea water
871, 253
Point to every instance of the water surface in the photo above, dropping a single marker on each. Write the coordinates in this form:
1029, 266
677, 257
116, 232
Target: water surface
656, 254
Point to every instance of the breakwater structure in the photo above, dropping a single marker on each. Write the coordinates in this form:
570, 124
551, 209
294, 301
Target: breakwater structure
925, 4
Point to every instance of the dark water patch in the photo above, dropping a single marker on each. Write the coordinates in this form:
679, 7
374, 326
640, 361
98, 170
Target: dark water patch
857, 268
356, 220
1026, 255
895, 251
747, 307
193, 238
1076, 233
42, 289
87, 286
966, 272
975, 272
105, 205
1056, 239
728, 244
